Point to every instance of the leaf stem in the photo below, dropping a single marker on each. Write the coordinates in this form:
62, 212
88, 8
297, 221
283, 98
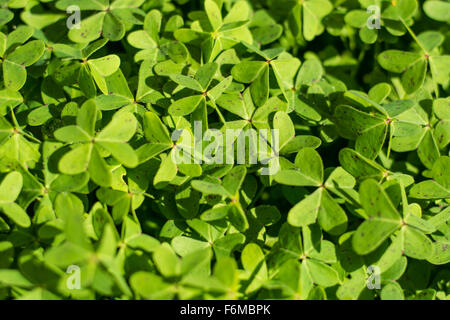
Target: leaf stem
221, 117
391, 136
436, 88
19, 129
413, 35
13, 116
29, 136
134, 212
148, 195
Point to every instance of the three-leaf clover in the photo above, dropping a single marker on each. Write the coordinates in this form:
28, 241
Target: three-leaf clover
439, 186
96, 264
91, 71
213, 236
256, 72
216, 33
91, 148
370, 129
17, 56
308, 171
200, 83
306, 17
183, 278
413, 66
156, 48
312, 255
390, 18
16, 145
110, 21
230, 190
383, 219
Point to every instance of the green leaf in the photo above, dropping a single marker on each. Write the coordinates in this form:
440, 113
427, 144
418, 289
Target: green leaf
105, 66
187, 82
416, 245
155, 131
392, 291
383, 218
166, 261
213, 13
233, 180
429, 190
152, 24
167, 171
210, 188
28, 54
120, 130
332, 217
10, 187
437, 10
267, 34
414, 76
308, 170
359, 166
113, 28
186, 105
321, 273
8, 98
398, 61
310, 72
260, 87
428, 150
283, 123
219, 89
205, 74
305, 212
18, 36
247, 71
142, 40
77, 160
13, 278
254, 263
72, 134
87, 84
14, 75
14, 212
90, 29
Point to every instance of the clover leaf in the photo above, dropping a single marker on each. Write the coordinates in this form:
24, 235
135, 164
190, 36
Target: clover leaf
89, 146
110, 22
370, 130
245, 150
257, 72
91, 71
308, 171
304, 252
152, 45
413, 65
214, 33
383, 219
17, 56
10, 188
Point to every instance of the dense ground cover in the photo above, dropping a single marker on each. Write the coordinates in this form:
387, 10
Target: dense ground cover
98, 97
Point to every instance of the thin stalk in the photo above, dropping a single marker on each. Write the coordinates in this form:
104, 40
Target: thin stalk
221, 117
134, 212
19, 129
13, 116
413, 35
148, 195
